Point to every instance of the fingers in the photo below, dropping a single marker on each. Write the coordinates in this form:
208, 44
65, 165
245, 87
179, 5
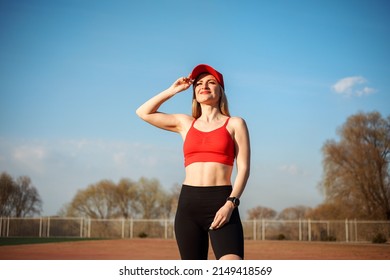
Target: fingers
189, 77
221, 217
187, 80
184, 80
216, 224
181, 84
219, 221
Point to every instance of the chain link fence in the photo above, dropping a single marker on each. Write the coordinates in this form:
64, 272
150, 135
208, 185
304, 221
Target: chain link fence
299, 230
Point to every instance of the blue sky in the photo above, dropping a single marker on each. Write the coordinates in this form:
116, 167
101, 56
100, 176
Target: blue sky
72, 74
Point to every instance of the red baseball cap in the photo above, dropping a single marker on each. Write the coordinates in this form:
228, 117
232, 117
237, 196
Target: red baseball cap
204, 68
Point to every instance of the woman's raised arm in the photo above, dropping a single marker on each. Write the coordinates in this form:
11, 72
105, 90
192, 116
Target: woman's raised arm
149, 110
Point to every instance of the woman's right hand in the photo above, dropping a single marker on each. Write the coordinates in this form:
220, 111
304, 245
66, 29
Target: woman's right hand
181, 84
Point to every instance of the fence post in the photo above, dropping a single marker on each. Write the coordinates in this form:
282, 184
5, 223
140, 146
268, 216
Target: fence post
327, 229
166, 228
309, 229
1, 226
254, 229
89, 227
48, 227
81, 227
300, 229
7, 227
123, 228
262, 229
131, 228
346, 231
40, 227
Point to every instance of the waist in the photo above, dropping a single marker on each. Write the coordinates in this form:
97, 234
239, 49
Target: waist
207, 189
208, 174
196, 200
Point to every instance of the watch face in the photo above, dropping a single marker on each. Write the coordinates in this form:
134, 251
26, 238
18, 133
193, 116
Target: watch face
235, 201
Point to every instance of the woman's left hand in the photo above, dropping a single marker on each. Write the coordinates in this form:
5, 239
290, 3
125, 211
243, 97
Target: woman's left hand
222, 216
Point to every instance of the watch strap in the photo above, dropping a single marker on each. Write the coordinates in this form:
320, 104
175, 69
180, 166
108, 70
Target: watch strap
234, 200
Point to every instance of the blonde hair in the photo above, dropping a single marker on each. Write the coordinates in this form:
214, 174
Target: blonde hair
223, 104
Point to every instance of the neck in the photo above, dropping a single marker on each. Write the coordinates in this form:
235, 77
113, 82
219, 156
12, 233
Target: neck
210, 113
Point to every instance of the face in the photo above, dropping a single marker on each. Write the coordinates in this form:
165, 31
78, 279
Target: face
207, 89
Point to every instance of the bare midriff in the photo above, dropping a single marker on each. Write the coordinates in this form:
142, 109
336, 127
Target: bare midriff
208, 174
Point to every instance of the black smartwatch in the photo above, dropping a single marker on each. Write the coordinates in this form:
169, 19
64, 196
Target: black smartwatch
234, 200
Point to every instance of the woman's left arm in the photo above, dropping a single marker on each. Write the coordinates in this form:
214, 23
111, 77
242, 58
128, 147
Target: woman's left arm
243, 151
243, 154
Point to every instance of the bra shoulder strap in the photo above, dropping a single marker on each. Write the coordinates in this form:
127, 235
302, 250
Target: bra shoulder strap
193, 122
227, 121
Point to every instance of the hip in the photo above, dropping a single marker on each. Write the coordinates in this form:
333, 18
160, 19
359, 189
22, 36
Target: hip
203, 198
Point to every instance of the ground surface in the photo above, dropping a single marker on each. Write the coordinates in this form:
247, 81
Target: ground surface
160, 249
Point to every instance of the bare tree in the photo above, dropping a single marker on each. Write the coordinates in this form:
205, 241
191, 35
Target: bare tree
126, 195
27, 199
8, 190
294, 213
127, 199
152, 199
18, 198
260, 212
328, 211
96, 201
173, 197
356, 168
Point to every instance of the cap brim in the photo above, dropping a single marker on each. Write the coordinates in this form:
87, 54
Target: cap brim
204, 68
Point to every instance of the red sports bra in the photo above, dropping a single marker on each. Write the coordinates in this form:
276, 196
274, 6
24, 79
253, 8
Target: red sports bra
213, 146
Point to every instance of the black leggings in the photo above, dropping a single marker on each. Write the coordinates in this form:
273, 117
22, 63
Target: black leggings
195, 212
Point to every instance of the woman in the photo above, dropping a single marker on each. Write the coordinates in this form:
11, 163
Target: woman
208, 201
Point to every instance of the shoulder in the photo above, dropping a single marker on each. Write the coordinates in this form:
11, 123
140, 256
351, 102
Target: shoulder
237, 122
238, 128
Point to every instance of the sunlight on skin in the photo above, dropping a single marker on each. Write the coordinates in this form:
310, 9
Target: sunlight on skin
230, 257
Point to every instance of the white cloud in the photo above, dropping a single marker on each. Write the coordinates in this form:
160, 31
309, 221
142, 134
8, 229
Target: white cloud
365, 91
353, 86
292, 169
85, 158
30, 156
58, 168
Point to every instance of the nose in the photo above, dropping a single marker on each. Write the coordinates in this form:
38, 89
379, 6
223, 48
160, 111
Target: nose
205, 86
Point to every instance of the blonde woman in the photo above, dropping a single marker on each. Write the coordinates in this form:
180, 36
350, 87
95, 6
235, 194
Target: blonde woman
208, 202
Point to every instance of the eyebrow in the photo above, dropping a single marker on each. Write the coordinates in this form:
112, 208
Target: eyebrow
211, 79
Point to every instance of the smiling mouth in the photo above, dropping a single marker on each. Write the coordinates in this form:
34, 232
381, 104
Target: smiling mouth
205, 92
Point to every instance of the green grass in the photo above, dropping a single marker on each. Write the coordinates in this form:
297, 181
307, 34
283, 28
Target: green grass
5, 241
